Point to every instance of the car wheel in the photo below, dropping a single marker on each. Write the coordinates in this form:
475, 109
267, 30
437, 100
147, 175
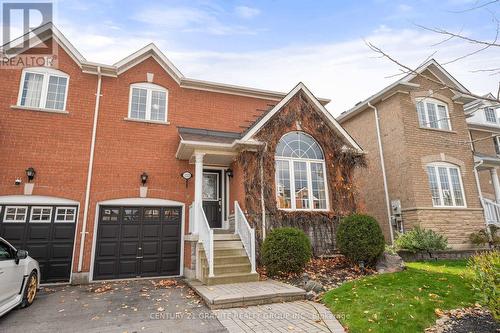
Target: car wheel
30, 290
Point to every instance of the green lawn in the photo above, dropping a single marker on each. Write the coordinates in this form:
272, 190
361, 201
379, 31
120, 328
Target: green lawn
404, 301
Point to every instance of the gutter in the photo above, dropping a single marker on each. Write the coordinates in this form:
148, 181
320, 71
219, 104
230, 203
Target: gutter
382, 165
90, 167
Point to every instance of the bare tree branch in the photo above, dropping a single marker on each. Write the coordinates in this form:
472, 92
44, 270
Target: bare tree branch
459, 36
409, 70
475, 7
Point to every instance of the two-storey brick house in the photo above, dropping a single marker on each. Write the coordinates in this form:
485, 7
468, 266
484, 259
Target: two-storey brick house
420, 164
133, 170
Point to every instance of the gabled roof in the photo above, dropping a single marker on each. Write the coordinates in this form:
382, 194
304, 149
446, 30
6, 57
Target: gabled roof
255, 128
49, 30
405, 84
150, 50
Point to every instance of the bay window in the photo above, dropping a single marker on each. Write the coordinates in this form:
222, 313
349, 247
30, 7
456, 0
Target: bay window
446, 185
300, 173
433, 114
43, 88
148, 102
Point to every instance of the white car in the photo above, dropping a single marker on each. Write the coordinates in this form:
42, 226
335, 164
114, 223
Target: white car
19, 278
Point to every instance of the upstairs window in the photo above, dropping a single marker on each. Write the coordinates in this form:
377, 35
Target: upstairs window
300, 173
43, 88
148, 102
496, 142
446, 185
490, 115
433, 114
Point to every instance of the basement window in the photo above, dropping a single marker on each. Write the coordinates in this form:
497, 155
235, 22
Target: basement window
148, 102
446, 185
43, 88
300, 173
433, 114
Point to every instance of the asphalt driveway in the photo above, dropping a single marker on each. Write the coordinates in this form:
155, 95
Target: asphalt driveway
125, 306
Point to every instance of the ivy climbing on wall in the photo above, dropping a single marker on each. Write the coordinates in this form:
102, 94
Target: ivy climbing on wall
301, 115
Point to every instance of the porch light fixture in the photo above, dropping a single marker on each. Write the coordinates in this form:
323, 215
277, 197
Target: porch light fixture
30, 173
144, 178
229, 173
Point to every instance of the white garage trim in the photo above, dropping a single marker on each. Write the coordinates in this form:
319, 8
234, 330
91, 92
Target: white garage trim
35, 200
136, 202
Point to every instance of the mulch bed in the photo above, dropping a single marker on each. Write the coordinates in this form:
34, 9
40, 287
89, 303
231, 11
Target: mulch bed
330, 272
476, 319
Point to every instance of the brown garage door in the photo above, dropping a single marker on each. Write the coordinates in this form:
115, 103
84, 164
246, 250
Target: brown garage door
137, 242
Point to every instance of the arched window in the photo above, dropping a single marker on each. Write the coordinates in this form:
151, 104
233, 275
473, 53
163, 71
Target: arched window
148, 101
300, 173
446, 185
43, 88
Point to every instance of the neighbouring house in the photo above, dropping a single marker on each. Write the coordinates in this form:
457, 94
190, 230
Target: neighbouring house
484, 126
420, 161
133, 170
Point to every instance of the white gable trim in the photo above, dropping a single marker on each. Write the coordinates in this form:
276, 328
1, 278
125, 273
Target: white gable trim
441, 69
318, 106
144, 53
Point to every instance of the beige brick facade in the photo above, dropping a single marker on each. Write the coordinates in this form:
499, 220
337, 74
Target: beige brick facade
408, 148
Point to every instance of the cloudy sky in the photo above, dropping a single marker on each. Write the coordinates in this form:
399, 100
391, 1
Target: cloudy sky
273, 44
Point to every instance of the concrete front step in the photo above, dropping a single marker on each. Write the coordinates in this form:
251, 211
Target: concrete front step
232, 268
228, 244
246, 294
226, 237
231, 278
225, 260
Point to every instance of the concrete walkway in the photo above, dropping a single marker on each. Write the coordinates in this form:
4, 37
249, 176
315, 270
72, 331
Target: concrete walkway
300, 316
223, 296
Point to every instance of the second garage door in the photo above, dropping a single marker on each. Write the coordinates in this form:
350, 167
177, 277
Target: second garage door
137, 242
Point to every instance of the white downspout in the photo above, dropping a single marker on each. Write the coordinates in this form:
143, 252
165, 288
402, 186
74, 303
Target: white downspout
382, 165
89, 172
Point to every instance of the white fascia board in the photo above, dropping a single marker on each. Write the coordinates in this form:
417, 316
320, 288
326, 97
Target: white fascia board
443, 71
144, 53
316, 103
35, 200
374, 99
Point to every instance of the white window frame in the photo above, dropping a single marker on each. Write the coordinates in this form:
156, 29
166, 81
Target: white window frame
448, 166
65, 214
149, 87
436, 102
15, 214
497, 144
291, 161
47, 73
486, 109
40, 207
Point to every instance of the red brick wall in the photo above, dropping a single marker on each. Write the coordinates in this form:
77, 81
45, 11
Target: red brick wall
57, 145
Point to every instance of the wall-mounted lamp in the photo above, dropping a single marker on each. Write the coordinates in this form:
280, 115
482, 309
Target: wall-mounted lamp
30, 173
144, 178
186, 175
229, 173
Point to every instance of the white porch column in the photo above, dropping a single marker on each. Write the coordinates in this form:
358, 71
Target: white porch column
496, 184
198, 184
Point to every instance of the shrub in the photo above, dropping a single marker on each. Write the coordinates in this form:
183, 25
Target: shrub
418, 239
286, 250
481, 237
486, 279
360, 238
